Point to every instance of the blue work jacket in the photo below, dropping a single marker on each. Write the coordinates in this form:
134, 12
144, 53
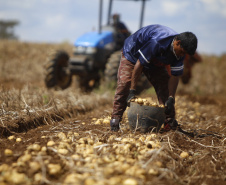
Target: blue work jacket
152, 46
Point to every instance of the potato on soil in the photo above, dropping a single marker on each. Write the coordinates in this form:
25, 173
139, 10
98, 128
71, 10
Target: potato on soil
72, 178
50, 143
11, 137
8, 152
54, 169
184, 155
130, 181
18, 140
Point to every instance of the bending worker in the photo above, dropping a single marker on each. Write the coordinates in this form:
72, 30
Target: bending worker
150, 50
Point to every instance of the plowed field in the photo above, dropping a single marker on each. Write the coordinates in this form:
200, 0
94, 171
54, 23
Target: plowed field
63, 137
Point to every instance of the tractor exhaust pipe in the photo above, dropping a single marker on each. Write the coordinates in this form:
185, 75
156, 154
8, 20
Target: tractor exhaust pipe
100, 16
142, 13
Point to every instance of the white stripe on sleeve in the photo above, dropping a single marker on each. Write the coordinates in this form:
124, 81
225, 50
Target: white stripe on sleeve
143, 56
177, 68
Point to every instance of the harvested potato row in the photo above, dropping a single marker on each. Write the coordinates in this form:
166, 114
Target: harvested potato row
143, 101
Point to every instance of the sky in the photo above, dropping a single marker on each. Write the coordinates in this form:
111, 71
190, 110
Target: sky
55, 21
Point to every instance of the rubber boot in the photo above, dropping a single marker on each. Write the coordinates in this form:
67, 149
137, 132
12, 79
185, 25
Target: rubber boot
114, 123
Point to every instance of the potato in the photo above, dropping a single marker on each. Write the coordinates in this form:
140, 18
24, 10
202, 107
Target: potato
8, 152
184, 155
140, 100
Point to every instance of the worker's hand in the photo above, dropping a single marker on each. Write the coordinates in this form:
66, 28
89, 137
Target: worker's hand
169, 105
132, 94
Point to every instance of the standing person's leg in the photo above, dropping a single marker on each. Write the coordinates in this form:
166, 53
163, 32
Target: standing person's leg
159, 78
122, 91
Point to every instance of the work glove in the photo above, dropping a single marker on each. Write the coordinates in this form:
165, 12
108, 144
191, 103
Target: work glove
132, 94
169, 105
114, 123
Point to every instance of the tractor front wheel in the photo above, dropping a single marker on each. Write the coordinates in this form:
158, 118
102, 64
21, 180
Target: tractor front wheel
57, 74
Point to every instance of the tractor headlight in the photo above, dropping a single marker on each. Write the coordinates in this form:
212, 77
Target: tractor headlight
79, 49
91, 50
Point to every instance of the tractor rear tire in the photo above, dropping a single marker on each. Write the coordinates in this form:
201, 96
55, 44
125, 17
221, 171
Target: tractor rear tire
111, 71
56, 76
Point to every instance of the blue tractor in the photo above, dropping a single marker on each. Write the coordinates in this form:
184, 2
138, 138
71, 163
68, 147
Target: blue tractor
96, 57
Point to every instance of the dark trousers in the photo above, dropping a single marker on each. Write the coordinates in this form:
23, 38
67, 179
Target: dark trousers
158, 77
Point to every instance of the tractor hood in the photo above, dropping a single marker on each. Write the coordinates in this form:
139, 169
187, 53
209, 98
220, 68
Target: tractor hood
95, 39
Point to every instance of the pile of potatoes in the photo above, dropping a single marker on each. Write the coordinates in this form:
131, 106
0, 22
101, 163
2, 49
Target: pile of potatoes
147, 102
118, 161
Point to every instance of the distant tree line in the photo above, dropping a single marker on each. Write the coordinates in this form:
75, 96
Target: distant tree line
7, 29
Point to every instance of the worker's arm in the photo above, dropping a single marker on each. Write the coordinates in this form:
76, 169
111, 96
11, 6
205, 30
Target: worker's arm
136, 74
134, 79
172, 85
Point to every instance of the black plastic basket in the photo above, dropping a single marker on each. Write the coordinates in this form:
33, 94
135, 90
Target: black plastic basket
145, 118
